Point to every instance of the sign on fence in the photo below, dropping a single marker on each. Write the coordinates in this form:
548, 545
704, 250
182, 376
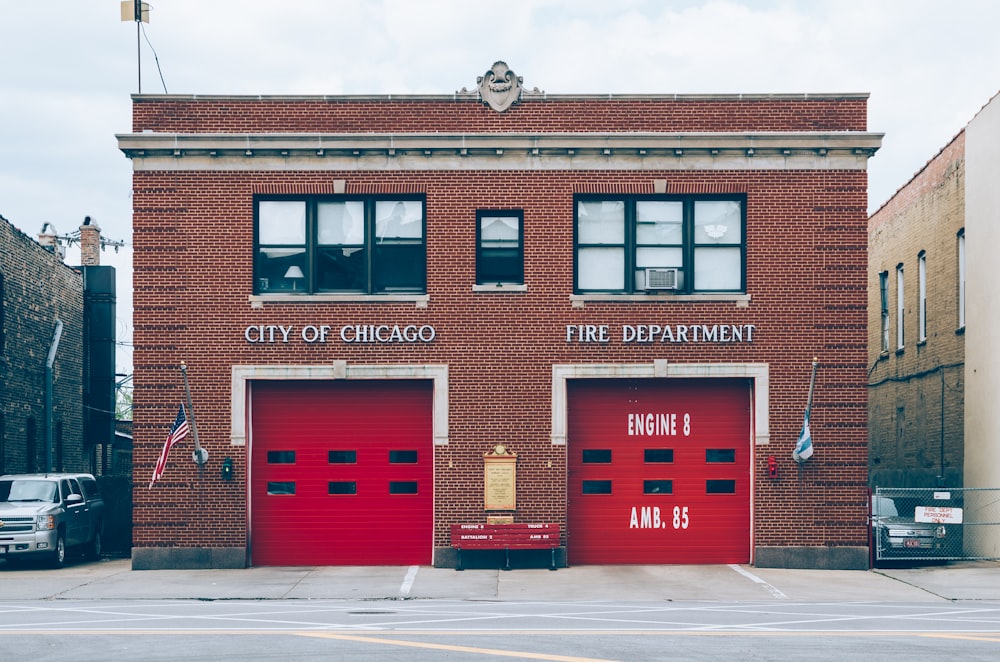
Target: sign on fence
936, 515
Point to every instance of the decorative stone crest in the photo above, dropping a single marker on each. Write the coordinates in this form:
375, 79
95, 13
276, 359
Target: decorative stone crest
499, 87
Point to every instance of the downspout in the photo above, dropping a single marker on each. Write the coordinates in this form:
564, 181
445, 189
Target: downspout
49, 362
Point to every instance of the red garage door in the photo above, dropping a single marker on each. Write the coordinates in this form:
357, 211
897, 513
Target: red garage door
342, 473
659, 471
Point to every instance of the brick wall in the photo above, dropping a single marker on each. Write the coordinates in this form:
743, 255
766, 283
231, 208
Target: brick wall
37, 288
806, 257
552, 114
917, 394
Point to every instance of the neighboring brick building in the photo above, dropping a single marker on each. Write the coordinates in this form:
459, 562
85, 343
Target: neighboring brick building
916, 346
933, 388
38, 293
373, 293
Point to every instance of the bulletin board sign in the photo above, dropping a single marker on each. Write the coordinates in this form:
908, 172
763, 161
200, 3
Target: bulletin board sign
500, 479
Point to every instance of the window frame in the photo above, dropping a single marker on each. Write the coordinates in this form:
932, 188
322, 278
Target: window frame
688, 246
961, 278
883, 285
922, 296
900, 306
494, 275
370, 275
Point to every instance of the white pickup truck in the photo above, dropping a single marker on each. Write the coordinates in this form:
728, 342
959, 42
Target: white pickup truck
43, 515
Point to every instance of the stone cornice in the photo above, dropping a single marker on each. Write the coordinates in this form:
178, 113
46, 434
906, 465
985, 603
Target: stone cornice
500, 151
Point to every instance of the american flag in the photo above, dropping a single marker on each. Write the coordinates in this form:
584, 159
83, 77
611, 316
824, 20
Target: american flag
177, 432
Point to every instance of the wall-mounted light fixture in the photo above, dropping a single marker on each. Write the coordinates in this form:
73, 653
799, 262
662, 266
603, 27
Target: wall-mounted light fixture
227, 469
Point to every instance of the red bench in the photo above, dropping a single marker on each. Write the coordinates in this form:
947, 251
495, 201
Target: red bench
505, 537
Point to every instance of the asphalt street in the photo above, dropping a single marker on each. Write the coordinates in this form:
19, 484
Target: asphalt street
105, 610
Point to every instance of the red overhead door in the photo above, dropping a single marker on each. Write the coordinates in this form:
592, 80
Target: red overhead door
342, 473
659, 471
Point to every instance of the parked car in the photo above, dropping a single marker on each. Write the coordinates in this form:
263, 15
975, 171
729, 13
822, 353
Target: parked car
42, 515
901, 536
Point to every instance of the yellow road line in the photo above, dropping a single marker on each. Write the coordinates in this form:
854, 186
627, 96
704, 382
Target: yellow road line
450, 648
964, 637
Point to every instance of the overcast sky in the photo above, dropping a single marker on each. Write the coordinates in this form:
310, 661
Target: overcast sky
68, 68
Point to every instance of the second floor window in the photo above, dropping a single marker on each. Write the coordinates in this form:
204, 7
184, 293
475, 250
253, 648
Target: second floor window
883, 286
499, 247
677, 243
922, 294
329, 245
900, 307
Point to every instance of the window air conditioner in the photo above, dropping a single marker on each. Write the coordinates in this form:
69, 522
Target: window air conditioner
662, 278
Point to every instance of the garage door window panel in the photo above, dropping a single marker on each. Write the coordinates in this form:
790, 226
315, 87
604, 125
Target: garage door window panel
720, 455
596, 487
281, 488
403, 487
658, 455
403, 457
720, 487
281, 457
657, 487
596, 456
342, 487
342, 457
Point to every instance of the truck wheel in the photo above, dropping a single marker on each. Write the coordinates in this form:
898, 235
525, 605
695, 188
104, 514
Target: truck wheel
58, 558
94, 547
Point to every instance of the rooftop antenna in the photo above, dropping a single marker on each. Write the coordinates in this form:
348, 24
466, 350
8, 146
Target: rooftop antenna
138, 11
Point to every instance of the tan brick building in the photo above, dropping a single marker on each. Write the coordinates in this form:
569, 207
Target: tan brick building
377, 295
916, 341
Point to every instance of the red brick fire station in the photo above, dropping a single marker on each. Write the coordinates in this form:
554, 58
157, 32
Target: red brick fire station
404, 313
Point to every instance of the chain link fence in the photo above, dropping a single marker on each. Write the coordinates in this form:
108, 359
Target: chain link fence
958, 524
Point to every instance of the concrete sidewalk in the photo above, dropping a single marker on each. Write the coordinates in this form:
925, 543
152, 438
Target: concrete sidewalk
115, 580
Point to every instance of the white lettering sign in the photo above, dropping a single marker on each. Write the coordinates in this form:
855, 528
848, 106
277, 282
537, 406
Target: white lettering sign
649, 517
351, 333
684, 333
657, 425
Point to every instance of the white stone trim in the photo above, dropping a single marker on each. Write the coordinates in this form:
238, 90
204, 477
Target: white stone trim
801, 150
242, 374
758, 372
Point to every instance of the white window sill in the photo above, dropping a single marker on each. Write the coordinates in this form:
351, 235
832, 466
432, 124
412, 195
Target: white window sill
260, 300
501, 288
581, 300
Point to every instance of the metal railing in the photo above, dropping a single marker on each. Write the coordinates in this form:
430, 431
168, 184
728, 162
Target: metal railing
946, 524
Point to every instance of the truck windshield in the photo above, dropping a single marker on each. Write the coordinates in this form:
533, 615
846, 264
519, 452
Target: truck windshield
28, 490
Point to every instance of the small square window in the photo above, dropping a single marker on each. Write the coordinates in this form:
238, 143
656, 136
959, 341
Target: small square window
499, 247
342, 487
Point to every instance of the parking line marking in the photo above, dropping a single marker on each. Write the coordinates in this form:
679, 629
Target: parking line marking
411, 576
757, 580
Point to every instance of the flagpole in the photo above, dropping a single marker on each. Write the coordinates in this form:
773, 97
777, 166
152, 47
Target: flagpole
803, 448
812, 385
200, 455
